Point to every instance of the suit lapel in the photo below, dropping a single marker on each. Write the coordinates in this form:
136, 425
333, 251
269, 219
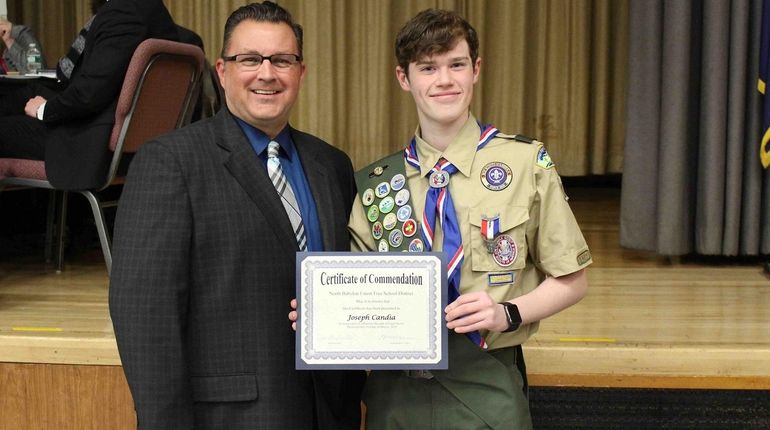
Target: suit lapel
251, 174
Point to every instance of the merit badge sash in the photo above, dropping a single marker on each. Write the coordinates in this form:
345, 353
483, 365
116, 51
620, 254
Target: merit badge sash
387, 203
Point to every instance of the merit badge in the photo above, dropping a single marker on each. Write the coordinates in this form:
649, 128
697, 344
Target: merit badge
367, 197
397, 182
373, 213
415, 245
439, 179
404, 212
543, 159
383, 246
386, 204
389, 221
409, 228
496, 176
394, 238
505, 250
378, 170
402, 197
377, 230
382, 190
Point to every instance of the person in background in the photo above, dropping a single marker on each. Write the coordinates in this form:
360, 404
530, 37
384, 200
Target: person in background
17, 39
69, 126
494, 203
206, 235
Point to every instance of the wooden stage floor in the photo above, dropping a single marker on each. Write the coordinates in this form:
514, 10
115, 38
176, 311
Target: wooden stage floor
646, 322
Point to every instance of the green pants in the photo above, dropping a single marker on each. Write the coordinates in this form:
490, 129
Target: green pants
481, 390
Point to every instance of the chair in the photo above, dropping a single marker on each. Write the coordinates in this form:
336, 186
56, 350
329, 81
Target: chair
158, 93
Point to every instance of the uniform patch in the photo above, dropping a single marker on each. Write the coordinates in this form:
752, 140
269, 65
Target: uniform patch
496, 176
373, 213
404, 212
409, 228
397, 182
383, 246
505, 250
382, 190
583, 257
379, 170
386, 205
395, 237
402, 197
416, 245
389, 221
543, 159
377, 230
501, 278
367, 197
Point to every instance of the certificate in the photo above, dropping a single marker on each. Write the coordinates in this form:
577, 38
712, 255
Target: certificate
371, 311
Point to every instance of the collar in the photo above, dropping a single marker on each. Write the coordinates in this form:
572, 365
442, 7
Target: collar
259, 140
460, 152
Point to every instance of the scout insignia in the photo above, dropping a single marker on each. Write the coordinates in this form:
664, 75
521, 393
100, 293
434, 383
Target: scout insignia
404, 212
394, 238
377, 230
503, 278
378, 170
402, 197
383, 246
397, 182
490, 228
409, 228
416, 245
505, 250
439, 179
543, 159
373, 213
496, 176
367, 197
389, 221
387, 204
382, 190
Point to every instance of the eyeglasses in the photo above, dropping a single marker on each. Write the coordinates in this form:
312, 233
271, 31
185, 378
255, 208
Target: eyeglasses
253, 61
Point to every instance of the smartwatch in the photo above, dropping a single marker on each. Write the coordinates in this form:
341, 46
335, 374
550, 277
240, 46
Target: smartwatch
512, 316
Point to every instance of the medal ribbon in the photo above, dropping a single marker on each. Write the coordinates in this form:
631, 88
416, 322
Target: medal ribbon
490, 228
438, 201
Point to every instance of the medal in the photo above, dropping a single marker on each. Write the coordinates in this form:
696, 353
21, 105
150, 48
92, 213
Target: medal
490, 228
439, 179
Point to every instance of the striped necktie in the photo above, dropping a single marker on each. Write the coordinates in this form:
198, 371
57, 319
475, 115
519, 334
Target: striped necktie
283, 187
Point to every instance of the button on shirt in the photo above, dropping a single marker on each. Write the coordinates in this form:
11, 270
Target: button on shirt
292, 168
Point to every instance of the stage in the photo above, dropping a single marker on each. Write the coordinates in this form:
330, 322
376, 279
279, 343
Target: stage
647, 322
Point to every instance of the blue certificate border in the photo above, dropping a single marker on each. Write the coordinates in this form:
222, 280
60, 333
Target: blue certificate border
373, 357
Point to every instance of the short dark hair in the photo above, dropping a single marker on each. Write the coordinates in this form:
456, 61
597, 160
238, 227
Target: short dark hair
433, 31
266, 11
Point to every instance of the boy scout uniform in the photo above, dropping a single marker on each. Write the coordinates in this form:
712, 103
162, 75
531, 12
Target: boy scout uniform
511, 182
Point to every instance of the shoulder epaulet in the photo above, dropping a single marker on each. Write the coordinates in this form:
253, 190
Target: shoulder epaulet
518, 138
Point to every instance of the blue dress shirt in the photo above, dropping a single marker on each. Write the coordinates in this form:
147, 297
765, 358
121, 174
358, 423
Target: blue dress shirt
292, 168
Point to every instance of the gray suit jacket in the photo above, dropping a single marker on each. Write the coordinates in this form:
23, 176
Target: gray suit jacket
204, 268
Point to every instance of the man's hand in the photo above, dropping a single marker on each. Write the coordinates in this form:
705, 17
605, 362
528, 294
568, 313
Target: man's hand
293, 314
475, 311
32, 105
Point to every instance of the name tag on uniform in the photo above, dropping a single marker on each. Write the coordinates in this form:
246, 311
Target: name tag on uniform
501, 278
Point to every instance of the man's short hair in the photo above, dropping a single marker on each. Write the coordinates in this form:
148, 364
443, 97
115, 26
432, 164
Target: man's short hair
266, 11
431, 32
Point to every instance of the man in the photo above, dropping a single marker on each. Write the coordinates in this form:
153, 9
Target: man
69, 127
205, 249
494, 203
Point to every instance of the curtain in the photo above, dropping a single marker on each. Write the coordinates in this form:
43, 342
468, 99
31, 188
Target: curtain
552, 69
692, 180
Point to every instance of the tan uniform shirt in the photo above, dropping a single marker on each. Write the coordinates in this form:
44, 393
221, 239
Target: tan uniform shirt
532, 209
